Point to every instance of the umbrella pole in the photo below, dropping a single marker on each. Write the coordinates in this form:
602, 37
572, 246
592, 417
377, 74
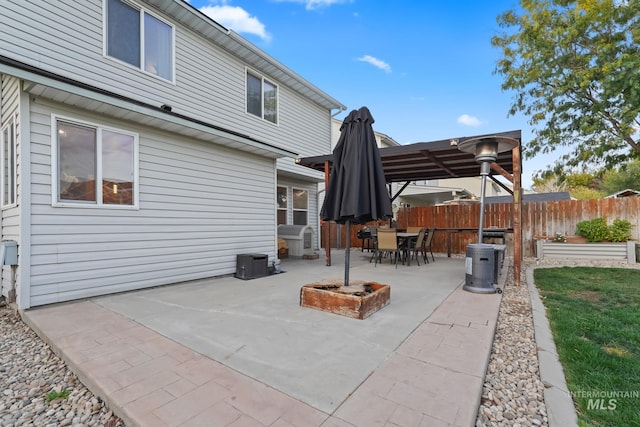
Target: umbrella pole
347, 254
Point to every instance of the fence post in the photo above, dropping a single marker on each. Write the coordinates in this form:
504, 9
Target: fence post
539, 249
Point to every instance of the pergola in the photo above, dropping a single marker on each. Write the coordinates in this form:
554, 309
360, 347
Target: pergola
440, 160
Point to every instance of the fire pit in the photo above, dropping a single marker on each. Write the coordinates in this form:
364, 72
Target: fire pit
358, 300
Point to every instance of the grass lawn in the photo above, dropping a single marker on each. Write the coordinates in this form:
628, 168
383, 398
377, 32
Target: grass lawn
595, 319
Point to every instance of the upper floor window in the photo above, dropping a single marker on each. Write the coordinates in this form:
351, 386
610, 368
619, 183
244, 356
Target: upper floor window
94, 165
136, 37
262, 97
9, 162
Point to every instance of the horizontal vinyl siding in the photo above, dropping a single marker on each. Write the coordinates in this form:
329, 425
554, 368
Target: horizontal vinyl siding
200, 205
9, 108
65, 37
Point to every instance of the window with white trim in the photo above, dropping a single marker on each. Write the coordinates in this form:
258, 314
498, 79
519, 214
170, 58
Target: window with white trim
300, 207
283, 204
9, 164
262, 97
94, 165
138, 38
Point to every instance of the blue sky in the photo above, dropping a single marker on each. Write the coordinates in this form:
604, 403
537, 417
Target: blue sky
424, 68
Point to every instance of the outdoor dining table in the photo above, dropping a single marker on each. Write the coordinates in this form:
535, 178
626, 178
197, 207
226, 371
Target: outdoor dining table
404, 244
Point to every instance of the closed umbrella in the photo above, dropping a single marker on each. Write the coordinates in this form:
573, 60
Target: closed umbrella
357, 190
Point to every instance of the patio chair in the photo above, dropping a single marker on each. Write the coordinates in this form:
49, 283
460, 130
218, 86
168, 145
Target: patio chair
386, 242
426, 245
416, 245
365, 235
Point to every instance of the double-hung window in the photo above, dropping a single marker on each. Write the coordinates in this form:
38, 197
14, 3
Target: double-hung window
94, 165
140, 39
262, 97
283, 204
9, 164
300, 206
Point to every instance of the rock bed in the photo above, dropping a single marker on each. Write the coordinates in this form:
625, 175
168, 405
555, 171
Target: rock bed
30, 373
513, 394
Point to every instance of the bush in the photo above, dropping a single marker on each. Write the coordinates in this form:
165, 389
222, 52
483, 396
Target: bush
594, 230
620, 230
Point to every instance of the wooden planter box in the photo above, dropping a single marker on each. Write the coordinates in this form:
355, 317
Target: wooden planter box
358, 300
587, 251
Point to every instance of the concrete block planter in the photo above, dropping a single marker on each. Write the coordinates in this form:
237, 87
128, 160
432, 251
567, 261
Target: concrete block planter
594, 251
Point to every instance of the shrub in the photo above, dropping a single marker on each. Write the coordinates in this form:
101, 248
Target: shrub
620, 230
594, 230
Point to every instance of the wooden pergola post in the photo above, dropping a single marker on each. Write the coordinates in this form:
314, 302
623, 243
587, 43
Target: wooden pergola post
327, 225
517, 213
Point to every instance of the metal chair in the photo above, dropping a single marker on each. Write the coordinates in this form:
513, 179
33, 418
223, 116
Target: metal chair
417, 244
426, 245
386, 242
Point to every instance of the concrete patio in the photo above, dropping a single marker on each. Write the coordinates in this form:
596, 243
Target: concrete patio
226, 351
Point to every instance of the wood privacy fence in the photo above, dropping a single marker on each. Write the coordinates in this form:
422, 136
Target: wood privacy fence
539, 219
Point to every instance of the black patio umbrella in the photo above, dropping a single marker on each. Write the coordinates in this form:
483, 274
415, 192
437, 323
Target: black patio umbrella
357, 190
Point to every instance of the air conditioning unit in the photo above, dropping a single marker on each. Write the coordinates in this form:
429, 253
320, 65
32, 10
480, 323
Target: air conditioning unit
251, 266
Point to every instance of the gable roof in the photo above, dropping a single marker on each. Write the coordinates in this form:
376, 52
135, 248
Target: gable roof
624, 193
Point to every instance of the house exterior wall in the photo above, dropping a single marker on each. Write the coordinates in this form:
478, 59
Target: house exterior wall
200, 204
209, 80
10, 225
196, 214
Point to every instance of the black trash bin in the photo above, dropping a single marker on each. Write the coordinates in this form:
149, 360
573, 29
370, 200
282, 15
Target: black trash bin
480, 268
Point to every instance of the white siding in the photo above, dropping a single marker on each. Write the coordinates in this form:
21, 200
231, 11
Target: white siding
9, 109
66, 37
200, 205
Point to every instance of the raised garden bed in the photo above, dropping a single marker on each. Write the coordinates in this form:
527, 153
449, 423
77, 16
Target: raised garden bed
590, 251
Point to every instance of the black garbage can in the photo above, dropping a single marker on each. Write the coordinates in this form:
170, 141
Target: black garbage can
480, 268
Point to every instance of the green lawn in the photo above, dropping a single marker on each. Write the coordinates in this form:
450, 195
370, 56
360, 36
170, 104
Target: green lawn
595, 320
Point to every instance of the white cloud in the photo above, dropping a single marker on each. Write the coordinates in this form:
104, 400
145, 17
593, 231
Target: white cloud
317, 4
468, 120
376, 63
237, 19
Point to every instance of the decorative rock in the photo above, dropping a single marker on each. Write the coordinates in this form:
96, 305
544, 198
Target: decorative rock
30, 370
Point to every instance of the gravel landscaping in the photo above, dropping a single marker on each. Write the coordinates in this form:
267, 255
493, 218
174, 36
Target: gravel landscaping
31, 376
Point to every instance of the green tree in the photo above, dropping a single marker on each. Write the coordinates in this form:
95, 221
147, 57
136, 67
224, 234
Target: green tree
626, 176
574, 66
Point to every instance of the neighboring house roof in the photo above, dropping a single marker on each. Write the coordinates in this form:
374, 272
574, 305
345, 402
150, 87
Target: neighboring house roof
624, 193
533, 197
42, 81
191, 17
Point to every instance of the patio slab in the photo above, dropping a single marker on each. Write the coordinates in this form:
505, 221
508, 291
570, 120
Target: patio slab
234, 349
